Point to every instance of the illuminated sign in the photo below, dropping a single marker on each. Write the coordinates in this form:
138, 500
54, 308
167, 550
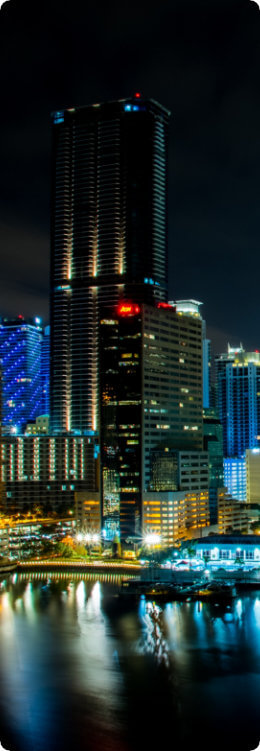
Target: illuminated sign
164, 305
128, 309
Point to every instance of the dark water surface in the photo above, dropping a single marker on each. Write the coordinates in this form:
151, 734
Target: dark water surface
78, 671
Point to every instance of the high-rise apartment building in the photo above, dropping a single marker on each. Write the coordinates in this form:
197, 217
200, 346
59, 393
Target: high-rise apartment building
20, 355
151, 402
207, 375
238, 396
45, 371
46, 470
109, 237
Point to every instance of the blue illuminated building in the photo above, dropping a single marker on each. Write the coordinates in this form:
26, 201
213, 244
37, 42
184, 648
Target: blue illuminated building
20, 355
235, 477
238, 393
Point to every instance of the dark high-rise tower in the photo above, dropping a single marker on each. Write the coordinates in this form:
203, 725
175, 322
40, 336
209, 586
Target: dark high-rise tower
109, 237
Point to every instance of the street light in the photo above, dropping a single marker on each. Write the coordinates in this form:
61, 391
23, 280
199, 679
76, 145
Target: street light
152, 539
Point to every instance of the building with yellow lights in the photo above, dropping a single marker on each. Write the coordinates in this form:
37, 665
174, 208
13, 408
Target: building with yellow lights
174, 517
108, 237
46, 470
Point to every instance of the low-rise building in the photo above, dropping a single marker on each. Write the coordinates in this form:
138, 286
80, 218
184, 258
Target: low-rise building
229, 547
21, 538
174, 516
88, 511
232, 514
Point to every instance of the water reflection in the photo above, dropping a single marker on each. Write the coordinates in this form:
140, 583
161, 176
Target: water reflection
152, 640
79, 672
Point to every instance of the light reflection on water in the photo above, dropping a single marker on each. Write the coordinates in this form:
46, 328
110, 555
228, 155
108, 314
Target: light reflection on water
81, 671
152, 640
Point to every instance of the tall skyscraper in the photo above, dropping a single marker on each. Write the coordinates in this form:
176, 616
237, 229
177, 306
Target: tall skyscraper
207, 385
151, 401
238, 396
109, 237
45, 371
20, 355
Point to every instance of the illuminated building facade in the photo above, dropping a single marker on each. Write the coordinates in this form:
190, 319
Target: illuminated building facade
238, 397
45, 371
207, 381
235, 476
22, 538
109, 237
232, 514
47, 470
20, 355
229, 548
253, 476
151, 401
179, 470
173, 517
87, 511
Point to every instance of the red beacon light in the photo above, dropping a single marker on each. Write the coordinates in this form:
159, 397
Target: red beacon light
137, 95
128, 309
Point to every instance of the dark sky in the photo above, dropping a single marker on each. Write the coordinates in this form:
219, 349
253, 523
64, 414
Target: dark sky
201, 59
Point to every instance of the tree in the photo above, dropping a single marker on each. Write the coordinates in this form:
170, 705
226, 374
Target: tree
65, 550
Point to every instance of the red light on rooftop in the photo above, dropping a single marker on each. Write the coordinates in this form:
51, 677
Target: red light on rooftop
257, 351
164, 305
20, 316
128, 309
137, 95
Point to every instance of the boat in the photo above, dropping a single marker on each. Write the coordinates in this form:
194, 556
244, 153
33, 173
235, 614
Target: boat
153, 590
168, 591
214, 591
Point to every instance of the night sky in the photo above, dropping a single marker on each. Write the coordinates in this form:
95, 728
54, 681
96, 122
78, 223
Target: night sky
201, 59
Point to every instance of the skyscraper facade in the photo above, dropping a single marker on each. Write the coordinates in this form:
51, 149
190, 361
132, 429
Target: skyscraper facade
46, 470
109, 237
45, 371
207, 385
213, 444
20, 355
238, 394
151, 402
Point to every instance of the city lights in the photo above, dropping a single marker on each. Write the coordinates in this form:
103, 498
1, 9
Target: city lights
152, 539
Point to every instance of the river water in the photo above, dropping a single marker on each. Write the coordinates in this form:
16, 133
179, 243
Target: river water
81, 672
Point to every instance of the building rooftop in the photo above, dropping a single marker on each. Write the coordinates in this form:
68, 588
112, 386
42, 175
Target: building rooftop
229, 539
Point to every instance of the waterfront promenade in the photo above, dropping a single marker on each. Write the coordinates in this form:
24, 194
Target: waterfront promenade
95, 565
245, 579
